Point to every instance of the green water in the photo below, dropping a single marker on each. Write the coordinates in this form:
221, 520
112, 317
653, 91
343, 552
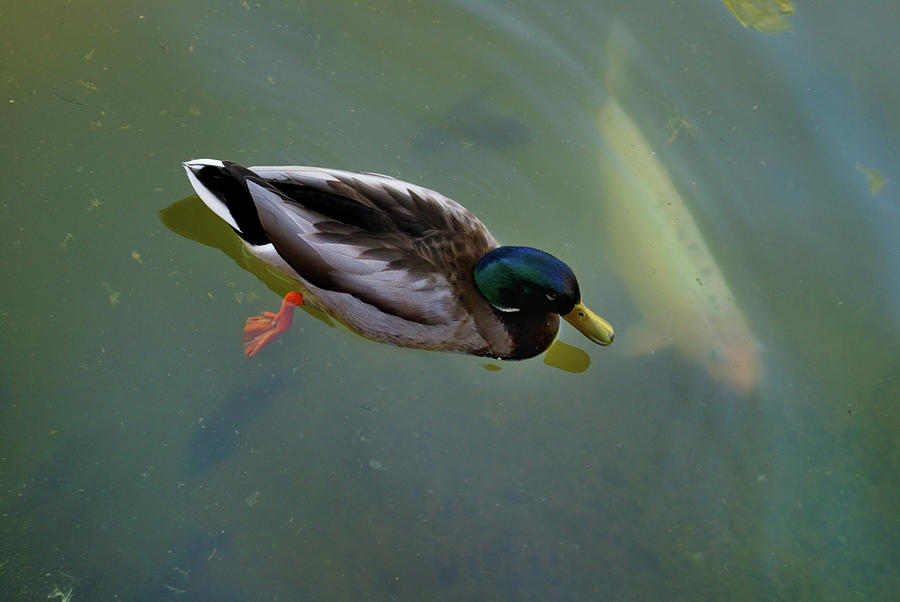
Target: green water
142, 454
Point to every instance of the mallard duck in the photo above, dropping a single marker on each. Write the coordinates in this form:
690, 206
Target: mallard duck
393, 261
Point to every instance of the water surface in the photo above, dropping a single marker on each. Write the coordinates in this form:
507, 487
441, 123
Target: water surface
361, 471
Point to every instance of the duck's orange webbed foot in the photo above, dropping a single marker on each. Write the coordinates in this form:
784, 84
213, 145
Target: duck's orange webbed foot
261, 330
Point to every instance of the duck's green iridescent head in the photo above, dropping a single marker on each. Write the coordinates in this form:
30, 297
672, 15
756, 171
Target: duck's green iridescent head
532, 281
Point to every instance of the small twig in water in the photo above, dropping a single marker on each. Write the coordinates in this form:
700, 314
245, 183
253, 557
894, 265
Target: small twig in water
69, 100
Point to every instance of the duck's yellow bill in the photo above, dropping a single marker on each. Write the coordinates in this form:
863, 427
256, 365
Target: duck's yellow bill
590, 325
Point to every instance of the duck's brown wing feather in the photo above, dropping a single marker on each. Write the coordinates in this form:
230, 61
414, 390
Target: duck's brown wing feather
403, 249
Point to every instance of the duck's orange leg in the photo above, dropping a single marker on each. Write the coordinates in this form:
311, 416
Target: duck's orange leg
261, 330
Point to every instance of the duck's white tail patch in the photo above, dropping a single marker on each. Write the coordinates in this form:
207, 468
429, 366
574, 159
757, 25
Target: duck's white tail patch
206, 195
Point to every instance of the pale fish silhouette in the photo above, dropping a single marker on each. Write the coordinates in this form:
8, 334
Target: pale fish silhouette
660, 255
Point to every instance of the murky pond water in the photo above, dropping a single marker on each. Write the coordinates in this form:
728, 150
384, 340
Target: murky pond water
728, 199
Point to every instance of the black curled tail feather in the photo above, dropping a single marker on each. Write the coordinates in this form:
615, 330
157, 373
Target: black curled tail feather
229, 184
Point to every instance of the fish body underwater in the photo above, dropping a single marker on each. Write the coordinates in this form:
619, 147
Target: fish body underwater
473, 121
665, 264
217, 438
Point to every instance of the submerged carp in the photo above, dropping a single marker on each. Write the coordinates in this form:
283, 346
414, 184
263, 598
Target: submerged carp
664, 262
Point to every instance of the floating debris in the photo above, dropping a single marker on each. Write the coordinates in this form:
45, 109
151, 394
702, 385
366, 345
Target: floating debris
64, 596
677, 123
241, 296
113, 295
377, 465
767, 16
874, 180
186, 573
59, 96
136, 256
253, 498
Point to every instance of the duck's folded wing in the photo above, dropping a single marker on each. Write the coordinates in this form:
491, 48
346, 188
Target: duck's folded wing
378, 267
374, 202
